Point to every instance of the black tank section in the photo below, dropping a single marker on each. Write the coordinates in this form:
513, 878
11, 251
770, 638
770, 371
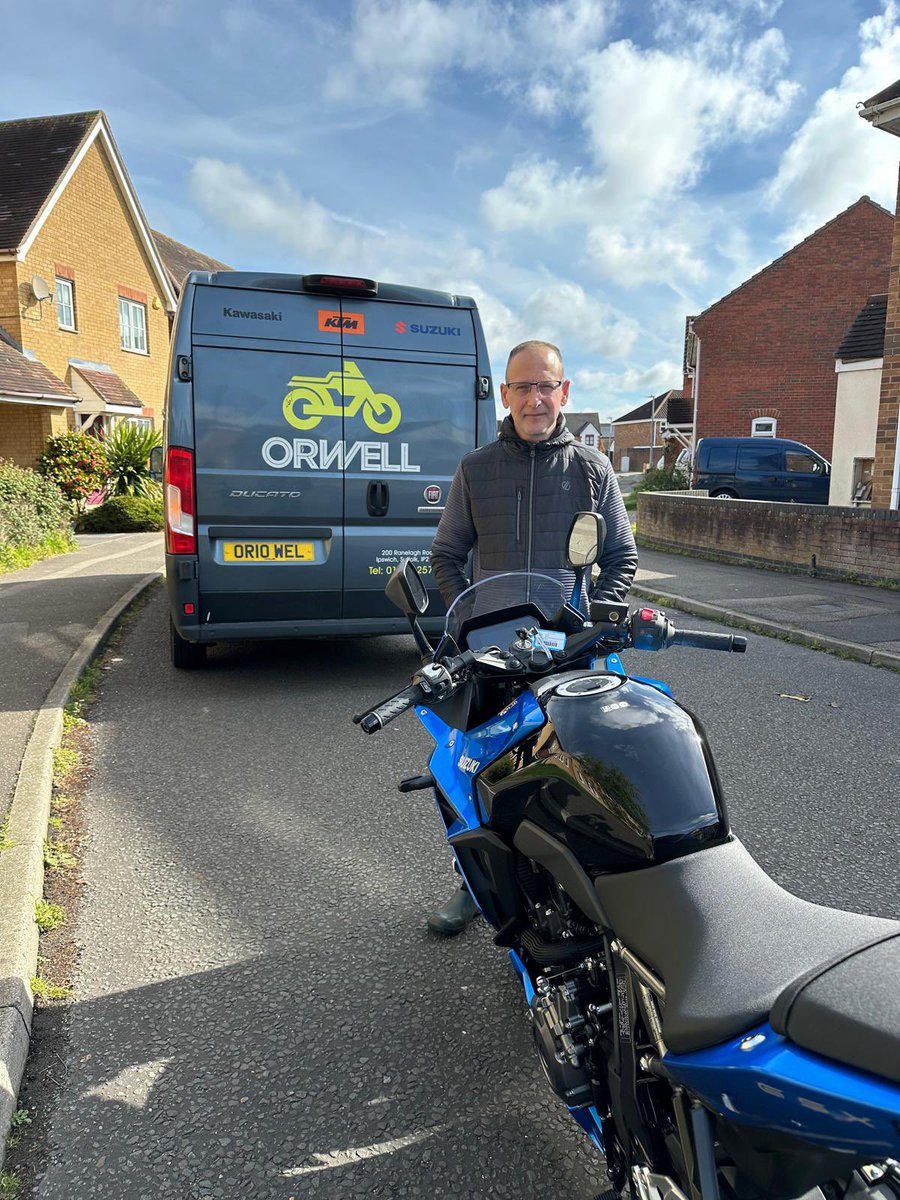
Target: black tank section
621, 774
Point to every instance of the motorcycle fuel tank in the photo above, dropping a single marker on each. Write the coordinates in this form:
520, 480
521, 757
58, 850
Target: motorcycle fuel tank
621, 774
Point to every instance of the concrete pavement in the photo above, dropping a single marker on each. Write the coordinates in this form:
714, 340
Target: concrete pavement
856, 622
54, 616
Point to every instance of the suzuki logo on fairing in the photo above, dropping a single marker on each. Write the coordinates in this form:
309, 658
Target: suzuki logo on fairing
469, 765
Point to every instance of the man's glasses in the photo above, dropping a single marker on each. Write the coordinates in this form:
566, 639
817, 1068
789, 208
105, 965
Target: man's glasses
545, 387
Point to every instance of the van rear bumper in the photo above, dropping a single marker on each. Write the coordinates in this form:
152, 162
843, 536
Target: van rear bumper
240, 631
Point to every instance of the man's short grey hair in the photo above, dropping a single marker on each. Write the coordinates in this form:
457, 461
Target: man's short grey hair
534, 344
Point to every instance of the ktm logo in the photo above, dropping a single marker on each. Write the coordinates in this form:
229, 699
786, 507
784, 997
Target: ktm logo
334, 322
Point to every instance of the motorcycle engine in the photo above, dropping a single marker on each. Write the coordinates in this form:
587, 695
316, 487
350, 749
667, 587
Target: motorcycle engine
563, 1017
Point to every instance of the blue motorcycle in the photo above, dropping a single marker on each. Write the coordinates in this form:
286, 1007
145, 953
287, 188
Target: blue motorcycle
715, 1036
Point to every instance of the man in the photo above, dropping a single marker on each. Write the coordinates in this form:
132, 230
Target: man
511, 504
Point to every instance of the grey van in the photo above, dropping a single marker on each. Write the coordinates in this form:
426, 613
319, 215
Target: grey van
313, 424
757, 468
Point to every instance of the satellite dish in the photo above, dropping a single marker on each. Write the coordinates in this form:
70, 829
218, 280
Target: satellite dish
40, 289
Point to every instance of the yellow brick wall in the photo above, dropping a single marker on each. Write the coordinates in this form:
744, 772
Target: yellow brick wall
9, 298
24, 430
91, 231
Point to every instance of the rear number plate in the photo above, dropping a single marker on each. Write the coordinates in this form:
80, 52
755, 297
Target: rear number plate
267, 552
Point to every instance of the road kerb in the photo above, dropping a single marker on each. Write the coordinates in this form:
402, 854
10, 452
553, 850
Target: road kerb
787, 633
22, 866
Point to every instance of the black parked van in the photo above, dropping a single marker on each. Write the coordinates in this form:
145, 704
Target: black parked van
312, 427
757, 468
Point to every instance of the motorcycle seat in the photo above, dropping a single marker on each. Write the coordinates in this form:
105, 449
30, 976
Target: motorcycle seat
727, 941
848, 1009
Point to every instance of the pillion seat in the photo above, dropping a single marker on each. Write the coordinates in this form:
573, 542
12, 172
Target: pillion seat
727, 941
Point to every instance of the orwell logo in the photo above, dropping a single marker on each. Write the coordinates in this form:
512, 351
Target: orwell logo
314, 396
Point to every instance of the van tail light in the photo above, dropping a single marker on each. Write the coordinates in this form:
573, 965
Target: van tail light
181, 511
340, 283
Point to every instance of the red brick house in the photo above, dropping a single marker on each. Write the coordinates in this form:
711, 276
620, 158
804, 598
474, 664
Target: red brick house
660, 427
761, 359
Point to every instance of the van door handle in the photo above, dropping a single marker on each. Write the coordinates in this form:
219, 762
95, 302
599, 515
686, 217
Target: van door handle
377, 498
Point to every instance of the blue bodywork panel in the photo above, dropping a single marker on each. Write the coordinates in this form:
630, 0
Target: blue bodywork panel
776, 1085
477, 749
613, 664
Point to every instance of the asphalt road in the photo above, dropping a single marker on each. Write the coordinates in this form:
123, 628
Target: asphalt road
261, 1012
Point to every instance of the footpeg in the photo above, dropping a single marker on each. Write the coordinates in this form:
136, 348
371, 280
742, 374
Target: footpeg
416, 782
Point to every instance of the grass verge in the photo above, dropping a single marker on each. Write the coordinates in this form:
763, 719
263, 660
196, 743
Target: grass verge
16, 558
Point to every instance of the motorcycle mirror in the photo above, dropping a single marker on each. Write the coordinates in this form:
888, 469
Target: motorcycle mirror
406, 589
586, 537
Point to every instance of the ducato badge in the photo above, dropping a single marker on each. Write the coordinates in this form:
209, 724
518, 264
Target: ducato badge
432, 493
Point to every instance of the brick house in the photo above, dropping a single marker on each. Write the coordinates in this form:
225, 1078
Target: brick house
761, 359
589, 429
883, 112
658, 428
86, 292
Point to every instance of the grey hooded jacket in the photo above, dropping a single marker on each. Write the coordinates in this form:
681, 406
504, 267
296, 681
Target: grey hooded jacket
512, 502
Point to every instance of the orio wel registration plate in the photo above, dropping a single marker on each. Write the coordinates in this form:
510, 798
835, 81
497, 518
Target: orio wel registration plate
251, 553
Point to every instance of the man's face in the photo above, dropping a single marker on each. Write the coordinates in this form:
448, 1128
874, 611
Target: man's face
534, 413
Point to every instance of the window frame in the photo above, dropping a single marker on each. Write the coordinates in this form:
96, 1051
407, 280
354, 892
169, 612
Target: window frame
757, 421
126, 307
62, 282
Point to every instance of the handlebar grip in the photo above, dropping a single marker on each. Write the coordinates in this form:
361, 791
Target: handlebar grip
702, 640
387, 710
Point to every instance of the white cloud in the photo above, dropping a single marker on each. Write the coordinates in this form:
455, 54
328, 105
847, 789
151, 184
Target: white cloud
398, 51
652, 119
835, 156
599, 389
562, 312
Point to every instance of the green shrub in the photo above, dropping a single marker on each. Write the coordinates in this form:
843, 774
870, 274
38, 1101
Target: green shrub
124, 514
76, 463
127, 455
664, 479
32, 510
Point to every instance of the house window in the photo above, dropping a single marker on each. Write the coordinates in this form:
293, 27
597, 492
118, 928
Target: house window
589, 439
133, 325
65, 303
863, 470
141, 422
763, 427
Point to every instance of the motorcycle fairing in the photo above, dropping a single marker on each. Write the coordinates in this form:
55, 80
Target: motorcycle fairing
613, 663
762, 1080
458, 756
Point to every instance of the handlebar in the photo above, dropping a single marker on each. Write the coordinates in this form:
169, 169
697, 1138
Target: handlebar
379, 716
709, 641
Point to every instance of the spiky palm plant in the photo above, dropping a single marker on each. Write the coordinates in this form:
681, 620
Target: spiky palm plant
128, 453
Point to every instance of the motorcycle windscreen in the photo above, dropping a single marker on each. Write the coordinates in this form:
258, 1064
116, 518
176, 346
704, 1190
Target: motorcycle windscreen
269, 528
404, 441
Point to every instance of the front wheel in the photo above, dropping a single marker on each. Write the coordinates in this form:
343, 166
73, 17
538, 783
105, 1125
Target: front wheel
185, 655
381, 413
723, 494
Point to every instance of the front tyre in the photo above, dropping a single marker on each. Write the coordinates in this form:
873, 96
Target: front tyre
186, 656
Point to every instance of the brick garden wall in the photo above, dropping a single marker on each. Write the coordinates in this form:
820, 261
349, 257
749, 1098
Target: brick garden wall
845, 541
767, 349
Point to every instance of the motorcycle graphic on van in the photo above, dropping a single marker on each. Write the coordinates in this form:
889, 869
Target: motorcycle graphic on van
380, 411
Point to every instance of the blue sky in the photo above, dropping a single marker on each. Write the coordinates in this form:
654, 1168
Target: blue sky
590, 170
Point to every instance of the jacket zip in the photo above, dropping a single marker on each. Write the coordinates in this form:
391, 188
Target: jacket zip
530, 512
519, 516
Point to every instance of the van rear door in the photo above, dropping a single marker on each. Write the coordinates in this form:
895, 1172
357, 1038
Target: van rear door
410, 415
270, 533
